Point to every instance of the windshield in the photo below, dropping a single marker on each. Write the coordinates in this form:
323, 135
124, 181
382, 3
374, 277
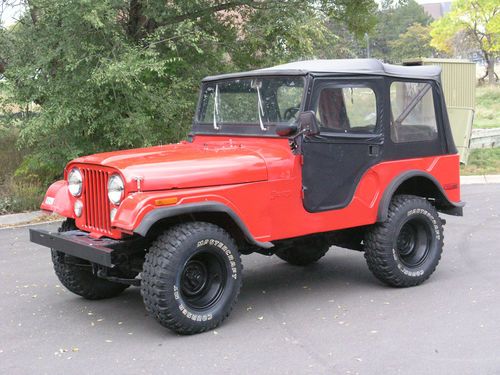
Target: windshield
259, 101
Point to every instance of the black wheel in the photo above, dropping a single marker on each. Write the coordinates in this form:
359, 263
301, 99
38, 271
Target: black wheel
191, 277
405, 250
303, 252
77, 276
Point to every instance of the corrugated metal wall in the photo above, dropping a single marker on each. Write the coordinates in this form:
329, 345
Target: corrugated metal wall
459, 86
459, 82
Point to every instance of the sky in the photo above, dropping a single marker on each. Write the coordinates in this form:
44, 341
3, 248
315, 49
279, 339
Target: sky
9, 15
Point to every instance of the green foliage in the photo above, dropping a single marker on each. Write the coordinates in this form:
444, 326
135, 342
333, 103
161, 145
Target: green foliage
102, 75
394, 22
413, 43
19, 197
16, 194
479, 17
477, 21
10, 156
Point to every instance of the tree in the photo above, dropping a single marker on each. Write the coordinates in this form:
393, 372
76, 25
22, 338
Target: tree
413, 43
394, 18
113, 74
479, 21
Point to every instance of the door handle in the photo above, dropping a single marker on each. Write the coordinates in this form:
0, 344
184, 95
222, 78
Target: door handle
373, 150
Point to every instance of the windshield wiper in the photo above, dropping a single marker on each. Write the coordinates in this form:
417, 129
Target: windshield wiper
260, 108
216, 107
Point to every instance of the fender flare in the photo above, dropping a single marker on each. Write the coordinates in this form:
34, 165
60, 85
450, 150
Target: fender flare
157, 214
383, 208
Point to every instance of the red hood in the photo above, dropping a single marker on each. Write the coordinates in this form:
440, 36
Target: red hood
183, 165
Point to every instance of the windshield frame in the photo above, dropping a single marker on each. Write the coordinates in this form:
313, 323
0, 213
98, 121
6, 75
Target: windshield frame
241, 128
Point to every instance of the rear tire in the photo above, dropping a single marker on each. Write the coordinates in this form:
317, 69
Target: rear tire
303, 252
405, 249
191, 277
77, 276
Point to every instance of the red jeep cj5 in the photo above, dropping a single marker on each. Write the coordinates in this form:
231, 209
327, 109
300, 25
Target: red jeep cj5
289, 161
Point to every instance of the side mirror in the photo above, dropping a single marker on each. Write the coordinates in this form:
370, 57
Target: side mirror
308, 123
286, 130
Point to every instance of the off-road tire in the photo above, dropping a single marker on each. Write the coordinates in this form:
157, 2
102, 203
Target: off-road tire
405, 249
77, 276
171, 274
303, 252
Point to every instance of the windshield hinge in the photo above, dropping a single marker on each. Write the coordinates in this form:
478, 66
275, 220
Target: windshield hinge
216, 107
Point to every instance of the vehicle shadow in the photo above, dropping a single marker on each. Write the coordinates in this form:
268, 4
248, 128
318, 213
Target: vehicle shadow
265, 280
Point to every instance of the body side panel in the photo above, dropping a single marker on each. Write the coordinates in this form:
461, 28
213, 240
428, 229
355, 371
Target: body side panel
274, 210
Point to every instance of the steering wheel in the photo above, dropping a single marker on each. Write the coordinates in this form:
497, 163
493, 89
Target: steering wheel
290, 113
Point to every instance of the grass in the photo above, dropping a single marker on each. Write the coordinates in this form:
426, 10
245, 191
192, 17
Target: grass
20, 197
487, 107
482, 161
485, 160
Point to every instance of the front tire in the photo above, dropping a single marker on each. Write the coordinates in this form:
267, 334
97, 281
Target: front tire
77, 276
191, 277
405, 249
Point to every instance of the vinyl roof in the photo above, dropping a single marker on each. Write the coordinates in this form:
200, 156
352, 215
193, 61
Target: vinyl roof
348, 66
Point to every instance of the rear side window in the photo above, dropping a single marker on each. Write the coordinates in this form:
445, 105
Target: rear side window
346, 109
413, 116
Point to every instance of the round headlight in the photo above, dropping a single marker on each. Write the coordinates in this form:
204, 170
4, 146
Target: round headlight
78, 207
75, 182
116, 189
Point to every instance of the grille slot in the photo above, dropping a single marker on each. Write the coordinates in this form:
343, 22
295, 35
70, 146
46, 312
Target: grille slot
95, 198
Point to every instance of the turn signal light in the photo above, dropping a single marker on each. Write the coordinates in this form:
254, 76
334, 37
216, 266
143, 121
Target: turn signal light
166, 201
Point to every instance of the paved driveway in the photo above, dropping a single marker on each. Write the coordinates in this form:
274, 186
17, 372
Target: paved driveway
330, 318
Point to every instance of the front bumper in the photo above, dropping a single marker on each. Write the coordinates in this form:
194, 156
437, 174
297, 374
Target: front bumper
104, 251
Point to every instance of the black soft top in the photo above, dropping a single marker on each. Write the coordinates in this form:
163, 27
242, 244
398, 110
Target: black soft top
349, 66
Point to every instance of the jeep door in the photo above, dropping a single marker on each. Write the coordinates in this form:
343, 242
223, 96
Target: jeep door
350, 114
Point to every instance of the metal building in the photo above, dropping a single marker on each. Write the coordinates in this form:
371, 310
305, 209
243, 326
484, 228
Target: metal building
459, 85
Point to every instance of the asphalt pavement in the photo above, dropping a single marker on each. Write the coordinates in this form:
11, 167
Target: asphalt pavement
333, 317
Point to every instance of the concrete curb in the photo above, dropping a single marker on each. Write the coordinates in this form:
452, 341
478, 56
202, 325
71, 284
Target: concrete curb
485, 179
23, 217
39, 217
26, 218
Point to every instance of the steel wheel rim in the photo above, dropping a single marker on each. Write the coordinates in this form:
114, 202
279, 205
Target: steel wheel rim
414, 242
203, 280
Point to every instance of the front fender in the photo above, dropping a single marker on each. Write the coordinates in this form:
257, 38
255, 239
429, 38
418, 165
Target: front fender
139, 212
58, 200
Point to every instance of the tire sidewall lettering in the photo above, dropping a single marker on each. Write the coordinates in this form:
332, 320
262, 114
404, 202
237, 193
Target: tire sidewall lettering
416, 273
221, 248
430, 217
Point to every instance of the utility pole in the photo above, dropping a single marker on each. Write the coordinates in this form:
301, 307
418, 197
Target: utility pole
367, 45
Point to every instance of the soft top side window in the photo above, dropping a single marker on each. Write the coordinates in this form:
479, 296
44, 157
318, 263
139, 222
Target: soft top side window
345, 108
413, 116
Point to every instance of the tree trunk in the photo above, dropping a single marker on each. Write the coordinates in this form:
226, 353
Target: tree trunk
490, 68
134, 18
